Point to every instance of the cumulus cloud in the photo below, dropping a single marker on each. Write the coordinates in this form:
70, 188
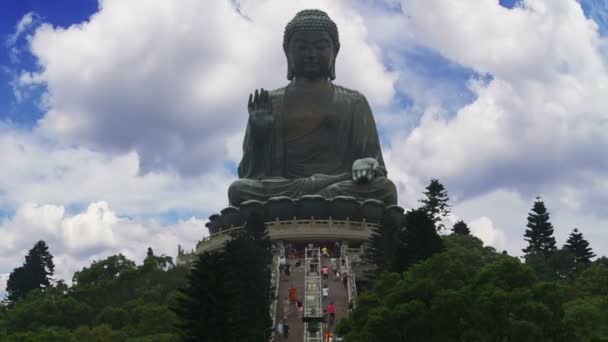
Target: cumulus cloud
45, 172
145, 110
170, 80
484, 229
537, 122
95, 233
25, 23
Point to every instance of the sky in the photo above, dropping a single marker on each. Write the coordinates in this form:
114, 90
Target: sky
121, 121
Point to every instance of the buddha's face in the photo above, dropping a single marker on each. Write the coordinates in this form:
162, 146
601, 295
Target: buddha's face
311, 53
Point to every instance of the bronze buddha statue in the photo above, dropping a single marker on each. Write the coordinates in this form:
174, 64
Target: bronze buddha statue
312, 137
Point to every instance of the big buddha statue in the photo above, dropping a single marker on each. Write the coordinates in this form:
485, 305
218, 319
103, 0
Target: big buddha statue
312, 137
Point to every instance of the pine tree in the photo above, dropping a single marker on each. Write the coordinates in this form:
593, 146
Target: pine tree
419, 240
461, 227
436, 203
382, 245
539, 233
206, 306
229, 293
579, 248
35, 273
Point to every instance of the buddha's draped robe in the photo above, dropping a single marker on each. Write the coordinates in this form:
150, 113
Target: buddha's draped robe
318, 159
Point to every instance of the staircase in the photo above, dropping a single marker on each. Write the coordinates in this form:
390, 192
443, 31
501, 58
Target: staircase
308, 285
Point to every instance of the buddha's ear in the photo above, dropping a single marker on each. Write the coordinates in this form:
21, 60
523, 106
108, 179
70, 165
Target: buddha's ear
332, 67
290, 70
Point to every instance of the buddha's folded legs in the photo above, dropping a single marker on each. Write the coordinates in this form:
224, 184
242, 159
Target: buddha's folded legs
328, 186
380, 188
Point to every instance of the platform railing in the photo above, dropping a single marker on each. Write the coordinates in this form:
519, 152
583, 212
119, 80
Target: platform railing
275, 282
351, 285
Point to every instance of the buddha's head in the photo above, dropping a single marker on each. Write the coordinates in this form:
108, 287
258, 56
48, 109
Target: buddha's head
311, 45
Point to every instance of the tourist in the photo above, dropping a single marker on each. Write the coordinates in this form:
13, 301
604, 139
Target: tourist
287, 270
280, 328
345, 279
332, 313
325, 293
293, 294
285, 329
300, 306
282, 263
286, 307
325, 251
325, 271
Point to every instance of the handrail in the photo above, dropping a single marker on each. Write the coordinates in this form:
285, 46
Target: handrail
275, 281
326, 221
313, 308
351, 284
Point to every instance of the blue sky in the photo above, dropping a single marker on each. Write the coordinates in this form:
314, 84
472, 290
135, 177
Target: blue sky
61, 13
121, 124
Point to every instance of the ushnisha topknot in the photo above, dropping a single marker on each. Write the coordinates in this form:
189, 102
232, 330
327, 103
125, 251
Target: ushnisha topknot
311, 20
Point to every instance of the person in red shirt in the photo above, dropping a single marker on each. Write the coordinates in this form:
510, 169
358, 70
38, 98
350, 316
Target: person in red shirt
293, 294
331, 309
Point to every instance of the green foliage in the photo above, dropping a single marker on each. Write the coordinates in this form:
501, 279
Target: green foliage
435, 203
394, 247
539, 232
557, 266
228, 295
383, 244
586, 319
593, 281
471, 293
111, 300
461, 227
579, 247
35, 273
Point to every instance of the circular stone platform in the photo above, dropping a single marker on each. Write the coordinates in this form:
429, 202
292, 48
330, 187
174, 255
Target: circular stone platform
308, 218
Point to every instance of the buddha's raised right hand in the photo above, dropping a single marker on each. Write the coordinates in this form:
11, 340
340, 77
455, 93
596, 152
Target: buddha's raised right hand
261, 118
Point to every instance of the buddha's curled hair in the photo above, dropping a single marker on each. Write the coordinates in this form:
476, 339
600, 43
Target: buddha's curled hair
311, 20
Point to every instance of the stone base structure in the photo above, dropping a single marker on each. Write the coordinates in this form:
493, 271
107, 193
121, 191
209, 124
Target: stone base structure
311, 219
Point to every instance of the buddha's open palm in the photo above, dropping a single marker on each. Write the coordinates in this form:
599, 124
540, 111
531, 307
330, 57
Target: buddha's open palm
364, 170
260, 113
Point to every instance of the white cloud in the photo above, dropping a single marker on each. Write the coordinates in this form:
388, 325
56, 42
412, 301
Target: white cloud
146, 102
45, 172
171, 82
484, 229
95, 233
26, 21
499, 218
536, 123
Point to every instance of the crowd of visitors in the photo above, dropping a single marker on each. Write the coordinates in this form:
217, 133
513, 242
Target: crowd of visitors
331, 269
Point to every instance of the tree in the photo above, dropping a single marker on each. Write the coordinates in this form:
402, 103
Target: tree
461, 227
228, 294
436, 203
539, 233
382, 245
419, 240
35, 273
448, 298
580, 248
395, 246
